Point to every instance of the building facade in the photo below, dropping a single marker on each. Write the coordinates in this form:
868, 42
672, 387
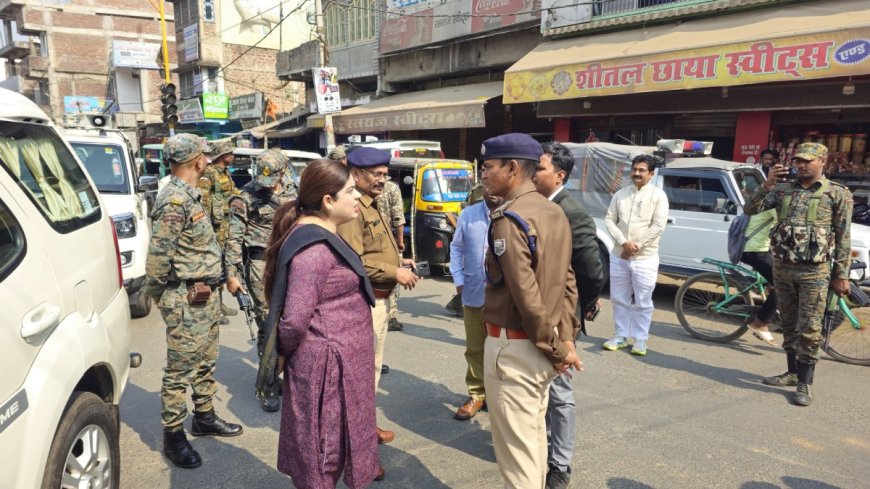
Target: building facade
85, 56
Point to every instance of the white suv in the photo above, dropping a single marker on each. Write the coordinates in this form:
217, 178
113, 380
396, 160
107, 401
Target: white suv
109, 160
65, 320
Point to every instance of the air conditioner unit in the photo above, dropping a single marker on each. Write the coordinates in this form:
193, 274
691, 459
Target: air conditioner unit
561, 13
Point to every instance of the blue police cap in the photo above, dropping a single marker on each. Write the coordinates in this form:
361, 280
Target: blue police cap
511, 146
368, 158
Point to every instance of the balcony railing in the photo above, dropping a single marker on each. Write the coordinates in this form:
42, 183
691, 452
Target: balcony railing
608, 8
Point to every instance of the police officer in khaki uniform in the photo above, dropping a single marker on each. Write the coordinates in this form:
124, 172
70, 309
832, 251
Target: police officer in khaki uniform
529, 308
183, 271
216, 188
815, 217
371, 236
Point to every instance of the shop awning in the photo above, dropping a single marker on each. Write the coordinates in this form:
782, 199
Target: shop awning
290, 132
440, 108
795, 42
260, 131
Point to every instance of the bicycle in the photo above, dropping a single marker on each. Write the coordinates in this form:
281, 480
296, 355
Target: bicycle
718, 306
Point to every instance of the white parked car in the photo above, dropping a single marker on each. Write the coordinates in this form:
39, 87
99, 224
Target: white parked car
109, 160
65, 320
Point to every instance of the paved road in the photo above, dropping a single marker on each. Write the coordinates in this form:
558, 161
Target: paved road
688, 415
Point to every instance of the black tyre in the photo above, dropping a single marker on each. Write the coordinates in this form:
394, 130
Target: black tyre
693, 305
604, 255
140, 304
848, 344
85, 447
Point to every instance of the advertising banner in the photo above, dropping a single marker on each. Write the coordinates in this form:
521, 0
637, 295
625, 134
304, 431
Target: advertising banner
75, 104
248, 106
411, 27
423, 119
215, 105
190, 111
831, 54
191, 43
132, 54
326, 89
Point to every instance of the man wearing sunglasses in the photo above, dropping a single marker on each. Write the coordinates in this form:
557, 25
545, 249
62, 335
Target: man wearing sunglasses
371, 236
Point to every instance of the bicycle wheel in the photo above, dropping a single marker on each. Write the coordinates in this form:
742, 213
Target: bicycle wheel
694, 307
850, 345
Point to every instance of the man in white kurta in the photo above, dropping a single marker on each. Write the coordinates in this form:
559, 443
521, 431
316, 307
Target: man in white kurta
636, 219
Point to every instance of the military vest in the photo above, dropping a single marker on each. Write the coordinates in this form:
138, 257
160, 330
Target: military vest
261, 215
798, 237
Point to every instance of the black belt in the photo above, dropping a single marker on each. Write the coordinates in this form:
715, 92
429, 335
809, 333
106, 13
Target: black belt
211, 282
256, 253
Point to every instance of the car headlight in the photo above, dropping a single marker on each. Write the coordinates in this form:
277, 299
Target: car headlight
436, 222
125, 225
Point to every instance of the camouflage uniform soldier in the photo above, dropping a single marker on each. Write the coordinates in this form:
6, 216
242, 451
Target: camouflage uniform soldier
390, 206
815, 215
217, 187
251, 221
183, 271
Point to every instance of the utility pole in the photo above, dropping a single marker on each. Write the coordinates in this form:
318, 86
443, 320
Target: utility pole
166, 77
321, 37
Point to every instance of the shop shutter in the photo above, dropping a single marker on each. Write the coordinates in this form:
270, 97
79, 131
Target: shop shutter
712, 124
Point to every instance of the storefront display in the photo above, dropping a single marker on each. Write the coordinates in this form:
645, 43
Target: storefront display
847, 149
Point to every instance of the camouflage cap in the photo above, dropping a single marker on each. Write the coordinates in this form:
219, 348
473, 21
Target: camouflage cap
182, 148
220, 148
270, 168
337, 153
810, 151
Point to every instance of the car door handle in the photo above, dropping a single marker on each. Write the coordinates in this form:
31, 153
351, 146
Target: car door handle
671, 220
39, 320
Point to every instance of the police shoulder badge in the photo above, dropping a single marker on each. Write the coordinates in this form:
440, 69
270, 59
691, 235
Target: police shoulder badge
499, 247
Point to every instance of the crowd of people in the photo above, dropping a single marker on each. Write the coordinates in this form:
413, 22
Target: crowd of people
323, 263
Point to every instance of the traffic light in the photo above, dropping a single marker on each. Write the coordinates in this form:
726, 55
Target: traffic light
168, 107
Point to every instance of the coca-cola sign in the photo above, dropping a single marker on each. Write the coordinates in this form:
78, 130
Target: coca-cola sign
498, 7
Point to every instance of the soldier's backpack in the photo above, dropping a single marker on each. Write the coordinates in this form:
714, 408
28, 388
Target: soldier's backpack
737, 238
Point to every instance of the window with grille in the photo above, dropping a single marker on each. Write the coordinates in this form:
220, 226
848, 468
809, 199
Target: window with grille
335, 21
186, 82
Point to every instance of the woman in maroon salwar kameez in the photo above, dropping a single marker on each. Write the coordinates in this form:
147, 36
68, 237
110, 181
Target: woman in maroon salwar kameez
321, 328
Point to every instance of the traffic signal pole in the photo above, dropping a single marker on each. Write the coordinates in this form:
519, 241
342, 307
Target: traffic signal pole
321, 36
166, 77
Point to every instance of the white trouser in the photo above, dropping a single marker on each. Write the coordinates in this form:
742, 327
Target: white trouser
631, 287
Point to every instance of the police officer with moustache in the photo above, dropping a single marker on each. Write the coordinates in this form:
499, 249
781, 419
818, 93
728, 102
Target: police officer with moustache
217, 187
815, 216
529, 308
251, 220
555, 166
371, 237
183, 270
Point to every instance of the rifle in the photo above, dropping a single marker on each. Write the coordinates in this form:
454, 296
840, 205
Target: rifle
246, 305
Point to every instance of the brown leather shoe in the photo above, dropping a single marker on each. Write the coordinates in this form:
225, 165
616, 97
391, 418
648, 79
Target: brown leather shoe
469, 409
385, 436
381, 474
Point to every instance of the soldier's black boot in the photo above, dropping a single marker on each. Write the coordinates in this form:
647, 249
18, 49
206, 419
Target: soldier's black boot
789, 378
178, 450
803, 395
270, 402
209, 424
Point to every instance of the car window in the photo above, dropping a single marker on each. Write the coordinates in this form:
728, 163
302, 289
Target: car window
418, 153
446, 185
105, 164
696, 194
748, 181
47, 172
12, 244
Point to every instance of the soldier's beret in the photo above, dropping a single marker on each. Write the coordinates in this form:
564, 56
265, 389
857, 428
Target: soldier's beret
269, 168
182, 148
220, 148
810, 151
511, 146
368, 158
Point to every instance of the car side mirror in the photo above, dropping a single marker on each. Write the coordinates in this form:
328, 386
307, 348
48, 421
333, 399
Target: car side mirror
147, 183
731, 208
408, 180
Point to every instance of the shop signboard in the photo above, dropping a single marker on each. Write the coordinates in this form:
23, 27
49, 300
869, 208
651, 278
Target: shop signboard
442, 21
75, 104
326, 89
249, 106
191, 43
132, 54
751, 135
190, 111
418, 119
825, 55
215, 105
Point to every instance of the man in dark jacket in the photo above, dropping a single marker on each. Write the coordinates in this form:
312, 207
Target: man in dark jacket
555, 166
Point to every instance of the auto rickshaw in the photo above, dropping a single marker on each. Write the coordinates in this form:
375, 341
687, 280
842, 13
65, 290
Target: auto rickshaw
433, 191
